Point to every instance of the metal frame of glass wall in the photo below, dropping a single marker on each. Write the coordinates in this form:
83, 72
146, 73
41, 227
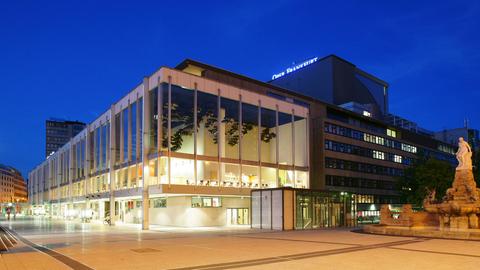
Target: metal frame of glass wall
324, 209
217, 140
242, 140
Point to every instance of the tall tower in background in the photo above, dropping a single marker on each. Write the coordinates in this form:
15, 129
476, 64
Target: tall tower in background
58, 132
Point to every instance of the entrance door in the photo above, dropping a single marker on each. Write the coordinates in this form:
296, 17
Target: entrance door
238, 216
321, 212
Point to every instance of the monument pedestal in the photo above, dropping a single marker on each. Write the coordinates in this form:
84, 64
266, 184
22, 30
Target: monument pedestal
460, 210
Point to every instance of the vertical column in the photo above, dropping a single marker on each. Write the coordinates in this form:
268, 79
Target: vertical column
259, 143
94, 150
220, 131
159, 127
293, 149
138, 151
111, 165
277, 156
240, 139
145, 149
59, 179
87, 165
307, 137
100, 148
70, 172
129, 131
195, 97
169, 131
122, 137
50, 182
129, 145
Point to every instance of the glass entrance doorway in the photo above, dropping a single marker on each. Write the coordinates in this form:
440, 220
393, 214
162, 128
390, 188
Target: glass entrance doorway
322, 209
238, 216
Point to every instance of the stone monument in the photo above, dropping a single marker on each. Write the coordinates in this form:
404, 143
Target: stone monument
455, 217
461, 204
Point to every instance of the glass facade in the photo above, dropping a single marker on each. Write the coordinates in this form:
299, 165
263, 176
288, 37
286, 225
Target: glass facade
211, 138
182, 122
315, 209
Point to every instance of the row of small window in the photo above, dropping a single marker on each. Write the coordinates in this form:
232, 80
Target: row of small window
287, 99
360, 198
446, 149
341, 117
4, 177
441, 156
365, 152
158, 203
197, 202
54, 145
343, 181
60, 132
333, 163
6, 184
366, 137
208, 202
57, 139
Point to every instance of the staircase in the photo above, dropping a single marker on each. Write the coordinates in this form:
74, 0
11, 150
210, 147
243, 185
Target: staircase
7, 239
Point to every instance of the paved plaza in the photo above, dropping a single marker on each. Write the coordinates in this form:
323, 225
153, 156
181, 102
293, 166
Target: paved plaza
46, 244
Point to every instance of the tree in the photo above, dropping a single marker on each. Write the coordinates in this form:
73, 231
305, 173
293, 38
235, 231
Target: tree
426, 174
476, 165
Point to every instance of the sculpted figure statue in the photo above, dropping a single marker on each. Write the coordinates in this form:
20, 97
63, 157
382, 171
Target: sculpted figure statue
430, 198
464, 155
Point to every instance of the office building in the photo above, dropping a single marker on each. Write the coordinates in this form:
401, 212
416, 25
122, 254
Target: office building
451, 136
356, 148
336, 81
13, 188
58, 132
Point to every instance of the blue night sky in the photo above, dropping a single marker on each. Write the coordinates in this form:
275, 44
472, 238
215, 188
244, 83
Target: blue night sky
73, 59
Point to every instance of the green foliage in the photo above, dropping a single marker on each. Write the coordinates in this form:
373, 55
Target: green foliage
476, 165
426, 174
184, 127
266, 135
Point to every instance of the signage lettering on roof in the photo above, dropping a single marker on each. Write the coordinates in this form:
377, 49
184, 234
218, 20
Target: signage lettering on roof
294, 68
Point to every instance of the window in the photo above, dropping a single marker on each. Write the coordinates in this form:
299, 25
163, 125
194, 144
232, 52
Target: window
230, 124
397, 159
268, 136
200, 202
409, 148
207, 117
358, 135
340, 164
250, 132
133, 113
284, 137
391, 133
158, 203
182, 125
125, 134
378, 155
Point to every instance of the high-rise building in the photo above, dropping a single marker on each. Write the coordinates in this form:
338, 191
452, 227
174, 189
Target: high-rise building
58, 132
338, 82
13, 188
451, 136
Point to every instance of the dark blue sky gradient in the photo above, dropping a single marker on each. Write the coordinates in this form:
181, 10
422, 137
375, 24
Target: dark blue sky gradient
73, 59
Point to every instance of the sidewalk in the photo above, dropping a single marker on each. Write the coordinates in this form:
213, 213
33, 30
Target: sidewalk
22, 256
